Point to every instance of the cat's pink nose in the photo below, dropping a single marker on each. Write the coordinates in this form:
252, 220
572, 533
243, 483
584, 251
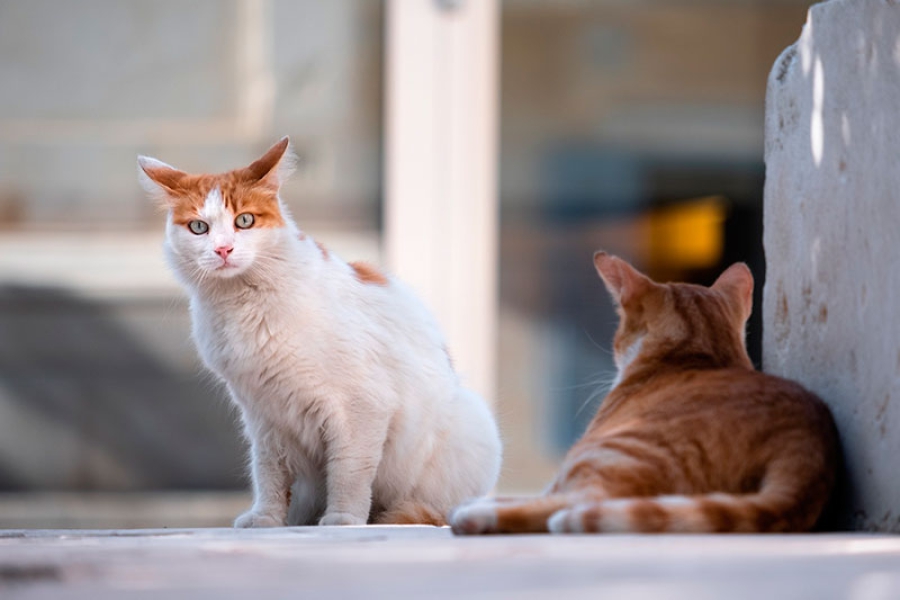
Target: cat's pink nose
224, 251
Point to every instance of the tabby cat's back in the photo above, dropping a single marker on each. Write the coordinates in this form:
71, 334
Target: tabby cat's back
690, 438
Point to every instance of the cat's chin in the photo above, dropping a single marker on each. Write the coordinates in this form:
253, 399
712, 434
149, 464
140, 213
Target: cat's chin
225, 272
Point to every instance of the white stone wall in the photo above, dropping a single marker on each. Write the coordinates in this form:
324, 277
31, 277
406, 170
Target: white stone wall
832, 238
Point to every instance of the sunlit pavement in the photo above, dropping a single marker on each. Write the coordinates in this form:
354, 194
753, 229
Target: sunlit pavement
427, 562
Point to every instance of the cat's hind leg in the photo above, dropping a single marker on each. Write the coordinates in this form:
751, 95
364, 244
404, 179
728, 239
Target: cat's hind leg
411, 513
489, 515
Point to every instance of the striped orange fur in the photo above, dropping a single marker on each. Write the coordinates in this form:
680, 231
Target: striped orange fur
691, 439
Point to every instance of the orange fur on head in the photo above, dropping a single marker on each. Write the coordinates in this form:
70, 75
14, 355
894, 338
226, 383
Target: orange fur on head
252, 189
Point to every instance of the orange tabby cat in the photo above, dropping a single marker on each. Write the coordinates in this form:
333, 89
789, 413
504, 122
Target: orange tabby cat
690, 438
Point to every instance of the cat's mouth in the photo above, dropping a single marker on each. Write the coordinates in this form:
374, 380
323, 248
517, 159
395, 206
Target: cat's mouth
225, 266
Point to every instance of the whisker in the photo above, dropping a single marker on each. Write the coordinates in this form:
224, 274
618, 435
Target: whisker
596, 345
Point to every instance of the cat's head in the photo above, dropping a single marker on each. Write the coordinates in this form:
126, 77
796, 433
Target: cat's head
685, 324
220, 226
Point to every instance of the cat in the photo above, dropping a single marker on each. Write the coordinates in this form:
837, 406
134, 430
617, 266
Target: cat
690, 438
346, 391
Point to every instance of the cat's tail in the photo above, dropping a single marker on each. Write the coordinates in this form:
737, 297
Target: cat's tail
787, 501
509, 515
781, 505
713, 513
411, 513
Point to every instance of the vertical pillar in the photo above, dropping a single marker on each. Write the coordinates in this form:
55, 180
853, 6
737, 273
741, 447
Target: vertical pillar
832, 217
441, 169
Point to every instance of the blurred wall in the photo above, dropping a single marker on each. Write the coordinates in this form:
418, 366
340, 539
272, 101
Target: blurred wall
205, 84
636, 127
100, 387
614, 116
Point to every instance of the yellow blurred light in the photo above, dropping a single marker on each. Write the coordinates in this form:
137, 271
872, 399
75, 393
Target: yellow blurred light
687, 235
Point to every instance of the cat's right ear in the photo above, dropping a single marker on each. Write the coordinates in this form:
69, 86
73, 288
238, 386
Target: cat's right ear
737, 283
622, 280
159, 180
273, 168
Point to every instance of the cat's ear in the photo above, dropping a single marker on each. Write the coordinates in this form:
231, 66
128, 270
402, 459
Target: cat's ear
737, 284
273, 168
160, 180
623, 281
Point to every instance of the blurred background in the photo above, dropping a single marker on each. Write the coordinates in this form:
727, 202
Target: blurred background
636, 127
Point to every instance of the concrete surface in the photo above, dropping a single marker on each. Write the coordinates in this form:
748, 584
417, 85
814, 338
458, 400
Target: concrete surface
832, 209
426, 562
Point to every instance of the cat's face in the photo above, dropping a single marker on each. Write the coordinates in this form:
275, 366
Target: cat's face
678, 319
219, 226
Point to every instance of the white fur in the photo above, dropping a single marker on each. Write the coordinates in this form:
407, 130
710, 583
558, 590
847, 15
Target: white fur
567, 520
345, 390
614, 517
624, 360
475, 516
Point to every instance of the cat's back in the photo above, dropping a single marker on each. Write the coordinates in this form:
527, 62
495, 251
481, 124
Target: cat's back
707, 430
739, 401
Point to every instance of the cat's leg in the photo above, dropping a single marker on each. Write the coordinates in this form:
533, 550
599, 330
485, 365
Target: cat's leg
271, 484
354, 453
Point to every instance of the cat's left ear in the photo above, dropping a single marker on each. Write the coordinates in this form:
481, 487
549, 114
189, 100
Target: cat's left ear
273, 168
737, 283
623, 281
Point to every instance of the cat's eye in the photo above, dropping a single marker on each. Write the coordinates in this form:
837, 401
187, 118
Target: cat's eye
244, 221
198, 227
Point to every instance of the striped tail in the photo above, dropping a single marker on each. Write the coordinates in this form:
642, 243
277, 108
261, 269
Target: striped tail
775, 508
712, 513
509, 515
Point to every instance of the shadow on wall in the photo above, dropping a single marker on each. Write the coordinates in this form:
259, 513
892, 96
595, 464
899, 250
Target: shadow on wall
86, 405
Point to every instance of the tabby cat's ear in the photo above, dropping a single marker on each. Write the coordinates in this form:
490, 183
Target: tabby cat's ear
273, 168
622, 280
160, 180
737, 284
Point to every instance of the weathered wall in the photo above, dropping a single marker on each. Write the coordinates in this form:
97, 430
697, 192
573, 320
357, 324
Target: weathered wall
832, 238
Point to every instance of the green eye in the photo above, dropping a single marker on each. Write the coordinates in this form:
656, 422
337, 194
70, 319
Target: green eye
244, 221
198, 227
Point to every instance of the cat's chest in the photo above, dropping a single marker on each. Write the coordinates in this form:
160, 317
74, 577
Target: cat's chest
236, 340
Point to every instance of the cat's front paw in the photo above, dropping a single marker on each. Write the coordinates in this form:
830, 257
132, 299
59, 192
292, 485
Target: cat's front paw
341, 518
254, 519
474, 517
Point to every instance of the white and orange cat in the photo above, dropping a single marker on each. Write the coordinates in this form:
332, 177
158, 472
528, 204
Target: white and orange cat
347, 394
691, 438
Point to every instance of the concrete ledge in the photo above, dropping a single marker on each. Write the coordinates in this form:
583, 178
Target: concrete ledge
428, 562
